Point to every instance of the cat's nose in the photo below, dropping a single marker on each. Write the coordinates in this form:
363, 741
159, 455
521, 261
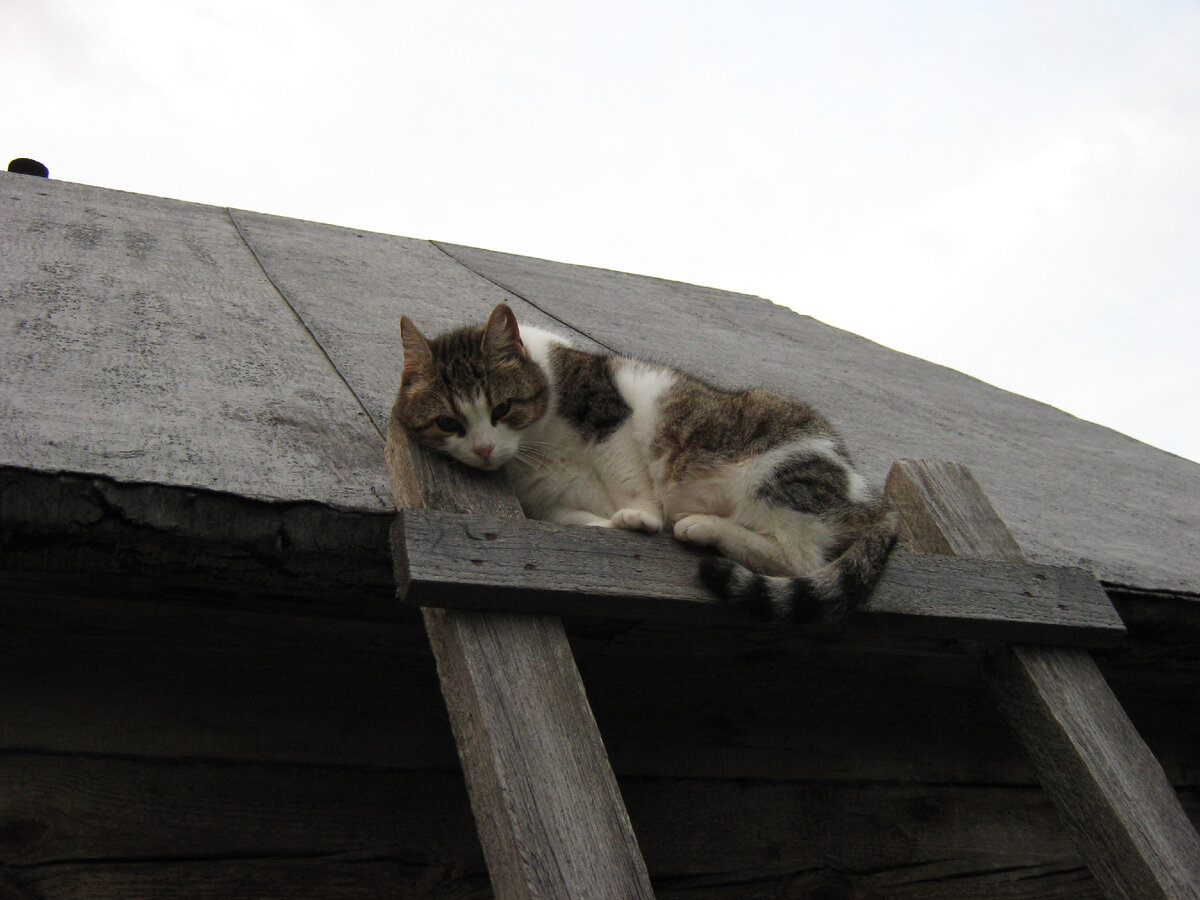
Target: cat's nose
483, 451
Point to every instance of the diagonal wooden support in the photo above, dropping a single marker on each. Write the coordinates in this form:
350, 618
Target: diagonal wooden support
547, 807
1122, 812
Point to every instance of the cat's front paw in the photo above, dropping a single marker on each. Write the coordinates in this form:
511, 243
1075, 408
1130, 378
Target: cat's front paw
699, 529
632, 519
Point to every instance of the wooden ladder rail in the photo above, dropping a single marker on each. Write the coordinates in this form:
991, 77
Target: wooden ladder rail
547, 808
1122, 812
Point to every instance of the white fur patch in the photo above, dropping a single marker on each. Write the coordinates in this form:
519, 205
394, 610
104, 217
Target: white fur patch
641, 386
539, 342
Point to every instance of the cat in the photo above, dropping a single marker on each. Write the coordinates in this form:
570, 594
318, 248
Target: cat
604, 440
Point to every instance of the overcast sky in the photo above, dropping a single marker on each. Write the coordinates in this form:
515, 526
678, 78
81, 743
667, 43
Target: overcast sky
1011, 189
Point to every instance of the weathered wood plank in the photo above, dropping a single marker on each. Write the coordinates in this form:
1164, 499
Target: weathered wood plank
944, 511
72, 809
1114, 796
327, 878
1116, 800
151, 348
148, 678
548, 809
479, 562
550, 815
70, 822
106, 538
333, 879
933, 882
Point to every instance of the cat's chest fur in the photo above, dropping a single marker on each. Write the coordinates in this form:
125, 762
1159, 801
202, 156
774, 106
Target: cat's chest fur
595, 447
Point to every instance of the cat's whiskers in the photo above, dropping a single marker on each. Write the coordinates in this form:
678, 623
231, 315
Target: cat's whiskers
544, 448
539, 459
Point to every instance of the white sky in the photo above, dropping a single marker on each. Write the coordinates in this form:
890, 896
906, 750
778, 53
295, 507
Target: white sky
1010, 188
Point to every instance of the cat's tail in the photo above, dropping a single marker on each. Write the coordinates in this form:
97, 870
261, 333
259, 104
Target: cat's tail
826, 596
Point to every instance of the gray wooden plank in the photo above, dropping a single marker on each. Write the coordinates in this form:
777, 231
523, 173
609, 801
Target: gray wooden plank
806, 840
326, 877
135, 676
111, 539
550, 815
472, 562
140, 339
1073, 493
1116, 800
547, 806
1125, 816
162, 809
138, 815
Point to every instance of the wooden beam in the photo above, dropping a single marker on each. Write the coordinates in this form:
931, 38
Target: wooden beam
463, 561
1117, 803
549, 813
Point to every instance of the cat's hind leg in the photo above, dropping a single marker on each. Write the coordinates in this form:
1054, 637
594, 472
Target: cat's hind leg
755, 551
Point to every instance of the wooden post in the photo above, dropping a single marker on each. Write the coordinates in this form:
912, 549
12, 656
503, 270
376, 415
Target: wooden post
549, 813
1114, 796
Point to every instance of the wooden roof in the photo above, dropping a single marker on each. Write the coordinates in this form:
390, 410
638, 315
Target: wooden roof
154, 342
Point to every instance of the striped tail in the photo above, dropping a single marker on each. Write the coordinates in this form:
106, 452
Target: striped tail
827, 596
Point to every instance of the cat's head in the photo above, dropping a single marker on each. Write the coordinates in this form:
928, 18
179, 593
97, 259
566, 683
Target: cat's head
470, 393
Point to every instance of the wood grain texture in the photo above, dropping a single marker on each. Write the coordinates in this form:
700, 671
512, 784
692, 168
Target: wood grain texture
943, 510
726, 743
550, 814
1112, 792
326, 878
144, 678
217, 549
480, 562
139, 678
152, 348
130, 828
74, 809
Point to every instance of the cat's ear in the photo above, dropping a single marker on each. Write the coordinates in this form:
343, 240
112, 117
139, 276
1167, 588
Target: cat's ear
501, 334
418, 358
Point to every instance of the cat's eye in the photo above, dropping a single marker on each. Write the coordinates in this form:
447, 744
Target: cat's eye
500, 410
449, 424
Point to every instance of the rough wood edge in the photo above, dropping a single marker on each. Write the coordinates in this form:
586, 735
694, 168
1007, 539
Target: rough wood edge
547, 807
1114, 796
